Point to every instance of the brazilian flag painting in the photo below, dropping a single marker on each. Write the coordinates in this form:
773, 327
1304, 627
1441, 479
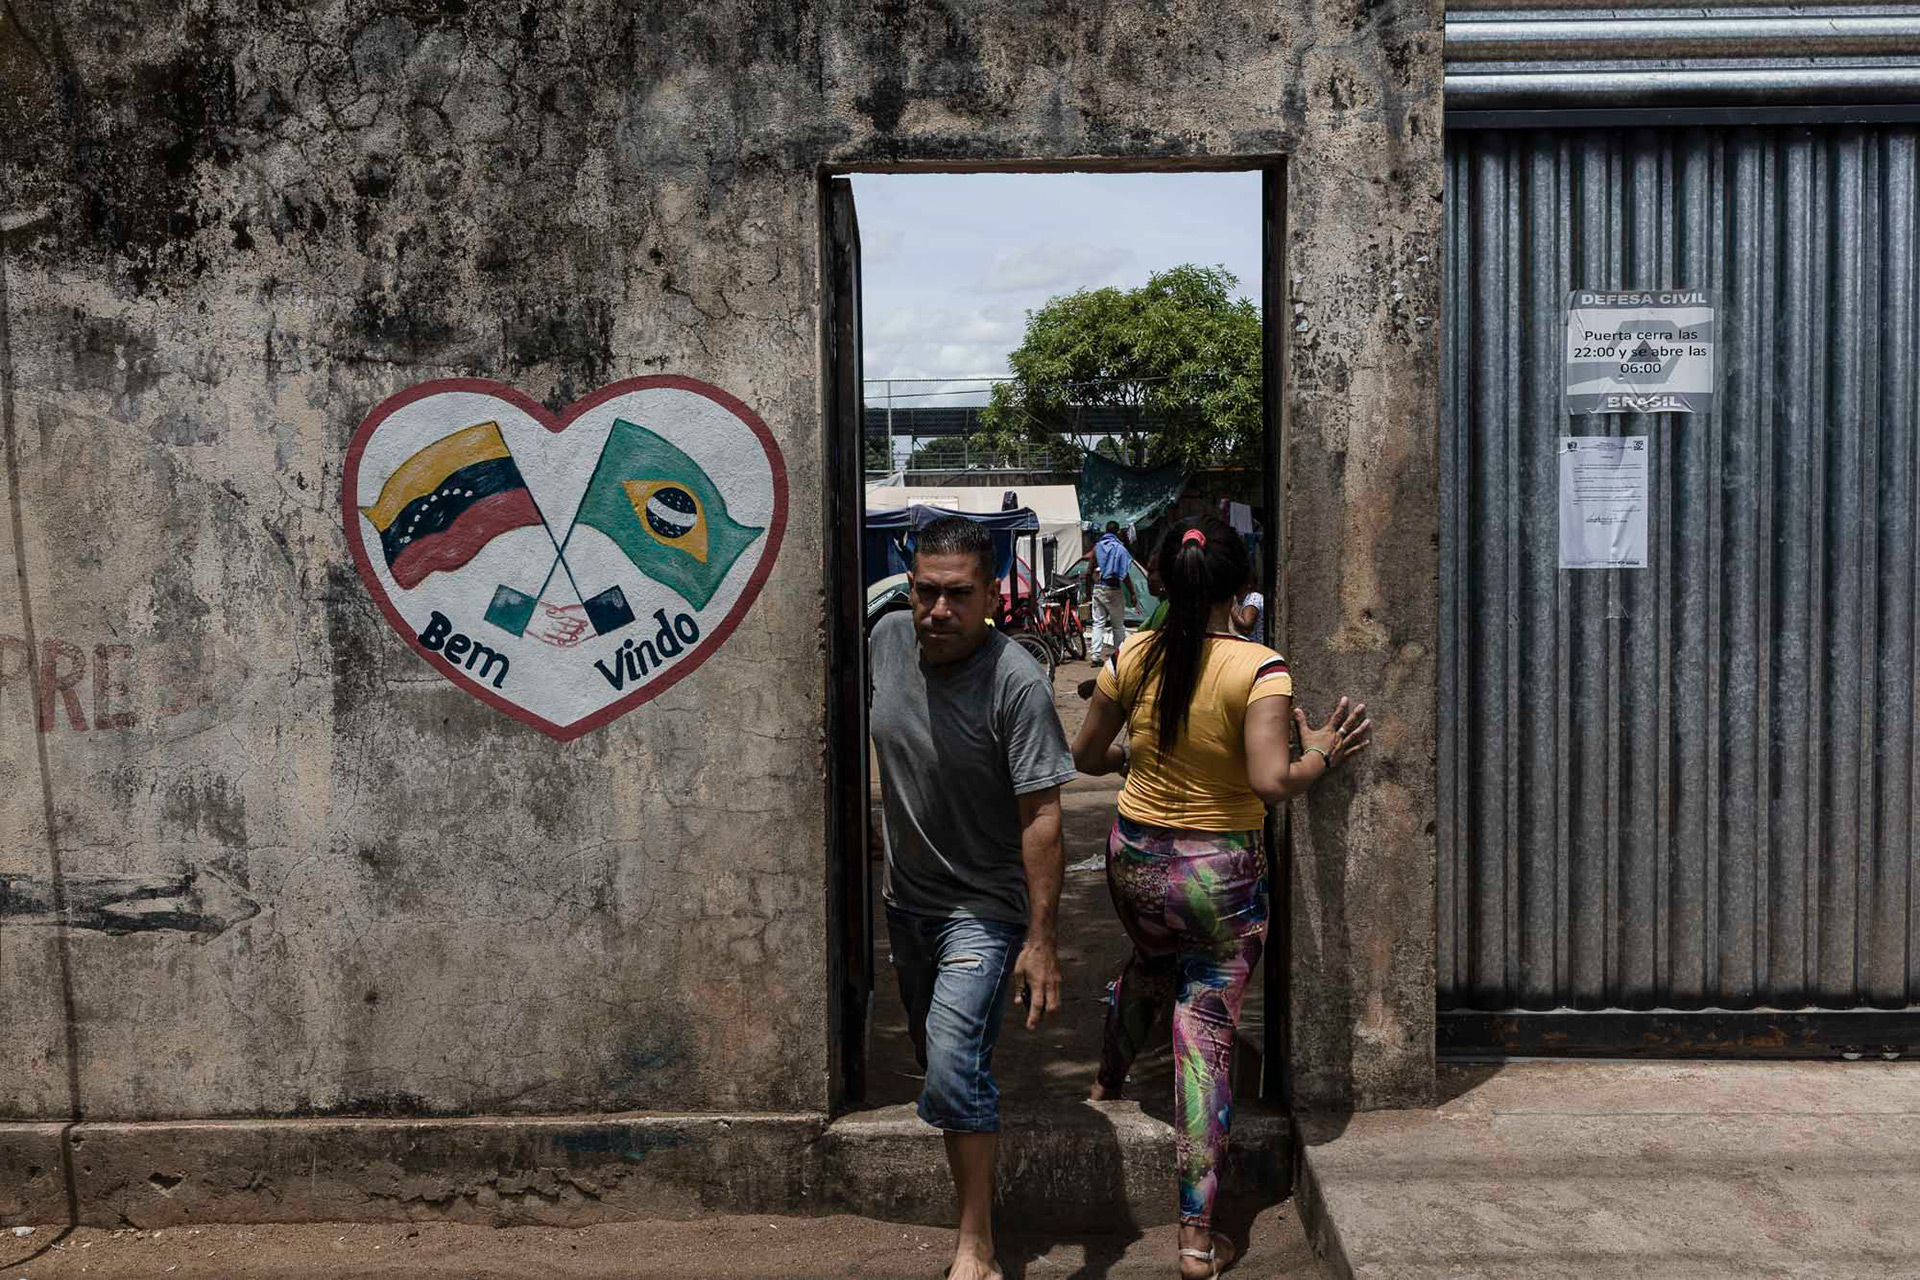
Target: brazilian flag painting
663, 511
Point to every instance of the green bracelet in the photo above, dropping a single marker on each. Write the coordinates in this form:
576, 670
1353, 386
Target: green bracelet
1323, 754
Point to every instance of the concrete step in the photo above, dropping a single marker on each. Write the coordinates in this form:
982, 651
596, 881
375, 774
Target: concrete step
1093, 1168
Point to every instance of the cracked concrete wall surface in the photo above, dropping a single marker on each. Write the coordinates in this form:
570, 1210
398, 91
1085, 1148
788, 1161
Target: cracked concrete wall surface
302, 874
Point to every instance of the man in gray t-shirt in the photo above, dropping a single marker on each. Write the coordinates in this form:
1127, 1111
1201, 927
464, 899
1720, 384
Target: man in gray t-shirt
971, 757
958, 744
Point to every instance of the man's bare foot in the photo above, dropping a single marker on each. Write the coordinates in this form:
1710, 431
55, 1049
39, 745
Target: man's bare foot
968, 1265
1100, 1093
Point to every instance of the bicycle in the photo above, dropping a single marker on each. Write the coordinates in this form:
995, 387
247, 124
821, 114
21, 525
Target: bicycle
1060, 623
1019, 626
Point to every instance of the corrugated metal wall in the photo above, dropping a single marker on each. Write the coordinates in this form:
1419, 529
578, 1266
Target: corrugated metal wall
1692, 785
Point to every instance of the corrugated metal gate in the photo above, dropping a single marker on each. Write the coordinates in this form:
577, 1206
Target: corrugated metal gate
1693, 786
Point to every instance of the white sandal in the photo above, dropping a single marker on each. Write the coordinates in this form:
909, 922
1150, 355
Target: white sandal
1205, 1255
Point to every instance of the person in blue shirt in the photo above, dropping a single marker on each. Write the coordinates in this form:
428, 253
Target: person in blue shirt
1110, 589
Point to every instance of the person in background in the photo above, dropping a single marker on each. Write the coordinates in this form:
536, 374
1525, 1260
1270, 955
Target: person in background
1159, 592
1159, 615
1207, 715
971, 757
1110, 589
1250, 612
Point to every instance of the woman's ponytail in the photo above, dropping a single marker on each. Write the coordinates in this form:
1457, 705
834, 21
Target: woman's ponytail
1201, 562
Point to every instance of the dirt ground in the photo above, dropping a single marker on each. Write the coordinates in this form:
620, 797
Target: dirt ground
1054, 1063
730, 1246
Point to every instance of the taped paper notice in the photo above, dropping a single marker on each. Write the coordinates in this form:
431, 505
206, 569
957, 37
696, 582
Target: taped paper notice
1603, 502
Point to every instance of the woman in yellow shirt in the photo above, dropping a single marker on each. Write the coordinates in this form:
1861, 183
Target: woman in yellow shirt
1207, 715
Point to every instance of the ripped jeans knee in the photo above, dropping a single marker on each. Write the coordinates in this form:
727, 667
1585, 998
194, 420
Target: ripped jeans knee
954, 975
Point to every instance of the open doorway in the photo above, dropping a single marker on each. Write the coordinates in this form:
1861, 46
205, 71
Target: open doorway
942, 292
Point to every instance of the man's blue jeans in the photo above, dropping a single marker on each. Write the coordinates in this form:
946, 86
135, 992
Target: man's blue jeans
954, 975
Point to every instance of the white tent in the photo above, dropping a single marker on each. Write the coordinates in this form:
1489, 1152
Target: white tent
1057, 505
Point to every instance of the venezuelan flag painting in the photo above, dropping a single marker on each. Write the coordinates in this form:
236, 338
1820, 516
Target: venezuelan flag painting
449, 500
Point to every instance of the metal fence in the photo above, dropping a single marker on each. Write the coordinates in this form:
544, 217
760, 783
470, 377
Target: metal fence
1692, 785
943, 455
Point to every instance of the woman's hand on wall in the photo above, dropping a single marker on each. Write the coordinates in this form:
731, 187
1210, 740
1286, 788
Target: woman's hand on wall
1346, 732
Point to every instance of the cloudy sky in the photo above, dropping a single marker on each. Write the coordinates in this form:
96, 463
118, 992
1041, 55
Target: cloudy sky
953, 262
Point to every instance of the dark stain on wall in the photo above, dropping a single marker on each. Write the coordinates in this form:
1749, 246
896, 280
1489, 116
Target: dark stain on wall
124, 134
885, 104
409, 330
575, 335
628, 1143
391, 1103
651, 1052
110, 352
207, 806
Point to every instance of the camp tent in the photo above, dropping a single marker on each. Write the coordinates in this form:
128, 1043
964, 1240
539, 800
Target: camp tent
889, 533
1128, 496
1056, 506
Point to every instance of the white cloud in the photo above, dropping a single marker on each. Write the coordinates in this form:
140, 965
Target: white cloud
881, 245
940, 342
1052, 267
988, 325
955, 261
974, 362
963, 350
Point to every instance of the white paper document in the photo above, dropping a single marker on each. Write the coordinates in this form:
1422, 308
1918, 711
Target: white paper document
1603, 502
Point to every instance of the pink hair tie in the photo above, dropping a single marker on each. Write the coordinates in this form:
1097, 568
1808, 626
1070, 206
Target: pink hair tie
1193, 535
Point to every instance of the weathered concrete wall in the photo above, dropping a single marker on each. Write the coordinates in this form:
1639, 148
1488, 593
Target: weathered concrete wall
1361, 562
258, 227
231, 231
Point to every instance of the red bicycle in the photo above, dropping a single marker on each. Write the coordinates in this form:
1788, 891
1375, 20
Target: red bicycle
1021, 625
1060, 623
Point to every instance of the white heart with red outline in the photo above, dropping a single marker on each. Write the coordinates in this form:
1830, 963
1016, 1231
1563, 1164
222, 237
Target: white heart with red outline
562, 674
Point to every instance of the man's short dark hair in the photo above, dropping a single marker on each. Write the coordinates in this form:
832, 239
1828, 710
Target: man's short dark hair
1113, 526
954, 536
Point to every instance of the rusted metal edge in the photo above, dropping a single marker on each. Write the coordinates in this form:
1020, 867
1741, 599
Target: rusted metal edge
1555, 86
1560, 39
1677, 1033
1681, 117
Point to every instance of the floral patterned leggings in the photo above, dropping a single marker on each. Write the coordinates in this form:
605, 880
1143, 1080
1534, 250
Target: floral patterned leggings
1195, 905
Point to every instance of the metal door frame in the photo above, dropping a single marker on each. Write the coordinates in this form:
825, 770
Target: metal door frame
849, 887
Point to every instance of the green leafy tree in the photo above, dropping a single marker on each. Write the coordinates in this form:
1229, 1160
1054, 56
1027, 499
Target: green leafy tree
1181, 353
942, 453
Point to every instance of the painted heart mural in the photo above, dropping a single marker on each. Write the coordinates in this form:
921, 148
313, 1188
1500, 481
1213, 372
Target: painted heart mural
564, 567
